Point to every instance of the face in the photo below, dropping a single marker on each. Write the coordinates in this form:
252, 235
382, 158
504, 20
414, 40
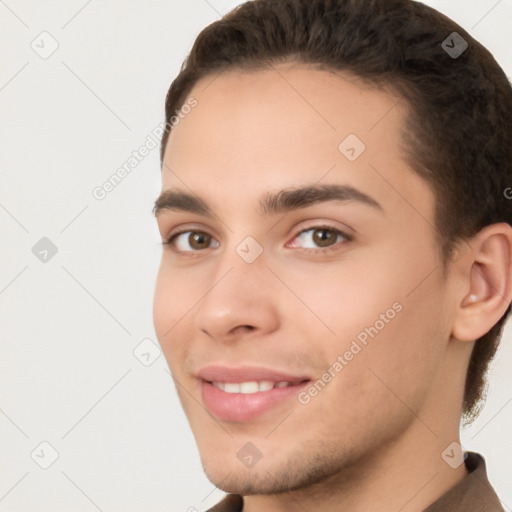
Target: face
301, 291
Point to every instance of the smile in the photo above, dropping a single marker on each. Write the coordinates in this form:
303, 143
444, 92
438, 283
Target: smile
251, 386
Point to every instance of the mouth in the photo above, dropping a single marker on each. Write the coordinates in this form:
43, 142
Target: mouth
242, 394
250, 387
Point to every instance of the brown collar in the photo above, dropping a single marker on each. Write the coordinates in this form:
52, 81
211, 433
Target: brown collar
473, 492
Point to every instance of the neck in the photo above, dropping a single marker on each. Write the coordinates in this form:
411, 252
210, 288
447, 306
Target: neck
406, 475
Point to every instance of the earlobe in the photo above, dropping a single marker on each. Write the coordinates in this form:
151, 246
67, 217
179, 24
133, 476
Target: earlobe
487, 281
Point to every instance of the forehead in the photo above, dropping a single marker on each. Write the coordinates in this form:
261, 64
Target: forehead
292, 124
285, 104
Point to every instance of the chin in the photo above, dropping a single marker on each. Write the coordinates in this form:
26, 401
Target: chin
247, 482
268, 477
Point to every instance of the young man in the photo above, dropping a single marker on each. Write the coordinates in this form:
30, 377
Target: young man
337, 262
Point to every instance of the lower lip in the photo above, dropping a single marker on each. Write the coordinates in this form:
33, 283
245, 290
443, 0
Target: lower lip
245, 406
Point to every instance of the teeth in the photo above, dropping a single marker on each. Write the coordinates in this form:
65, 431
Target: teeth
250, 387
230, 387
265, 385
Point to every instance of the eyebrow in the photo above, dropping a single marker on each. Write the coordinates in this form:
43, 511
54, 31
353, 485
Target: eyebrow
271, 203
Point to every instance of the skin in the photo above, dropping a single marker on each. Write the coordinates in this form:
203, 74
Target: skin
372, 439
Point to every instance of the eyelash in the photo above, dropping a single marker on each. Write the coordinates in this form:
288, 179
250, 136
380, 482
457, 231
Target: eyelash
336, 246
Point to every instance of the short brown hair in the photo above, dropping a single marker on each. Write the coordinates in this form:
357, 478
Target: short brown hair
459, 125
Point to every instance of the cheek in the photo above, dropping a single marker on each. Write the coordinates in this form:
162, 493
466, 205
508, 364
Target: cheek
398, 364
389, 310
380, 381
170, 305
162, 306
347, 296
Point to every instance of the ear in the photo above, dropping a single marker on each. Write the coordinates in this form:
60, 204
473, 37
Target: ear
485, 274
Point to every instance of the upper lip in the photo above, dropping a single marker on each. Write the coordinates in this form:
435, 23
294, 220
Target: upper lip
219, 373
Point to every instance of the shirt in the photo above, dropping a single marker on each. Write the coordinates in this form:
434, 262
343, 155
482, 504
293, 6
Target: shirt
472, 494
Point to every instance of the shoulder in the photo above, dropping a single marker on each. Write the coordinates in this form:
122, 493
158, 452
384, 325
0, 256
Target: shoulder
230, 503
473, 492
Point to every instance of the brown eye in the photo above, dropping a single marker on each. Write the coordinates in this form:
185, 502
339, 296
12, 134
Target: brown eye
191, 241
319, 237
324, 237
198, 240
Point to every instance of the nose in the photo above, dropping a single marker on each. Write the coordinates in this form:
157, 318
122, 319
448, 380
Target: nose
240, 300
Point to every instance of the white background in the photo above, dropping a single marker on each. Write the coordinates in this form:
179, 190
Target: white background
69, 326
